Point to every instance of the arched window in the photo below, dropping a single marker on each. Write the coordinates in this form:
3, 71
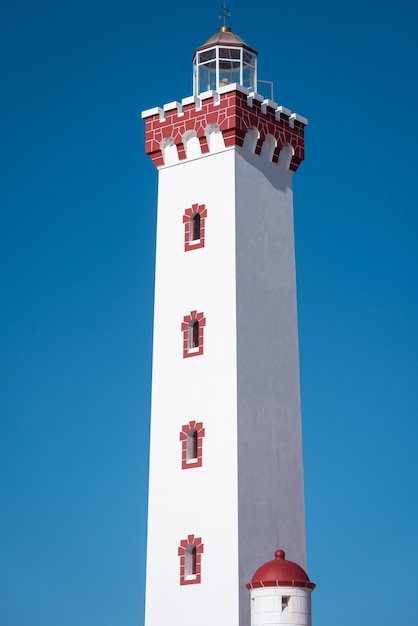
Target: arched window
190, 565
250, 139
268, 147
169, 151
190, 552
191, 437
194, 334
192, 328
214, 137
191, 144
285, 156
192, 445
195, 227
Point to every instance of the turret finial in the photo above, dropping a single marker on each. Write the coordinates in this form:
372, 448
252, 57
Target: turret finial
226, 14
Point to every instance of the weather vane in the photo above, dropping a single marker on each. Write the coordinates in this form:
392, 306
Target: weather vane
226, 13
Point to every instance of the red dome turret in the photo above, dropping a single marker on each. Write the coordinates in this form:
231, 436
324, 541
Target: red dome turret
280, 573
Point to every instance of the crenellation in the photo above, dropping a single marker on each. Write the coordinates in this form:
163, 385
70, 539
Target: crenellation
234, 87
173, 106
255, 99
269, 106
284, 111
154, 111
232, 110
206, 95
299, 118
191, 100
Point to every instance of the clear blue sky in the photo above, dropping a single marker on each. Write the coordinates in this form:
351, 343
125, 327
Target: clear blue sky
78, 203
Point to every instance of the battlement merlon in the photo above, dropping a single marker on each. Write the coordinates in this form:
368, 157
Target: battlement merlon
232, 112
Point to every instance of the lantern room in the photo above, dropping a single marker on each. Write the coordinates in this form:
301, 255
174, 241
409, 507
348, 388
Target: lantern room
224, 59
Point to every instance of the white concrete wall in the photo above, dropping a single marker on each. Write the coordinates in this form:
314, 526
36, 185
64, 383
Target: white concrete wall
247, 499
202, 500
270, 475
267, 608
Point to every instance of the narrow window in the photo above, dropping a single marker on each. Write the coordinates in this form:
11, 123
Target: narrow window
191, 437
285, 602
190, 567
190, 552
192, 328
194, 334
196, 227
192, 445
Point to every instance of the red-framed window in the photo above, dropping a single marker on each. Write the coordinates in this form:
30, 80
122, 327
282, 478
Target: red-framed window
194, 227
191, 437
190, 552
192, 328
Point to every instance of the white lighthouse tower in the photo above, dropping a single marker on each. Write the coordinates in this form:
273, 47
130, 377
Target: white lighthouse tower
226, 480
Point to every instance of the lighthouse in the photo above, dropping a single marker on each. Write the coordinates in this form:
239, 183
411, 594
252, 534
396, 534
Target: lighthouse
226, 476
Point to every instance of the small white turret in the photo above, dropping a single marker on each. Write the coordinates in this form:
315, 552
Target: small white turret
280, 593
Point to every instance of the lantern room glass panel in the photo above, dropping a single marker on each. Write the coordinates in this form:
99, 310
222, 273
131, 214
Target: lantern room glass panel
207, 76
249, 71
221, 66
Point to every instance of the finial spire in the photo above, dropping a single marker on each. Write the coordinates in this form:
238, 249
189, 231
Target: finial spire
226, 14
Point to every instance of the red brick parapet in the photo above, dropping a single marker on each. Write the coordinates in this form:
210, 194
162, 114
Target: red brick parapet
231, 111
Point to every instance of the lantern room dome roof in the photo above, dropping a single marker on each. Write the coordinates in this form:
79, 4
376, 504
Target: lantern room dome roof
224, 37
280, 573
